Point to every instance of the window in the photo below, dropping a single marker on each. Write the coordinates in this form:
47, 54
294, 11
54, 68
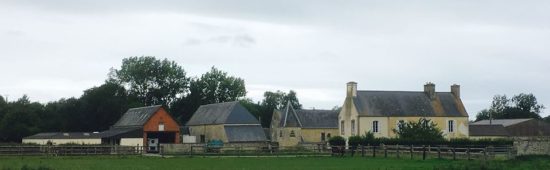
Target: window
203, 139
281, 133
323, 136
328, 135
292, 134
375, 126
451, 125
161, 126
342, 127
352, 127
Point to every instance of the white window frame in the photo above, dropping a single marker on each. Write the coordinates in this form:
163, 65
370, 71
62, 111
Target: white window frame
450, 126
161, 126
375, 126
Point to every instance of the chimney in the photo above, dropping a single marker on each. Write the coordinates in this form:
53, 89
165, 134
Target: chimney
352, 89
429, 89
455, 89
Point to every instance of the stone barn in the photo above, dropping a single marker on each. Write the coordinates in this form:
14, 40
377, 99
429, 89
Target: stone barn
229, 122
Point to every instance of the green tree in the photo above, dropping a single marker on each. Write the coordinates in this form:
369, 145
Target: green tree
102, 106
277, 100
519, 106
215, 86
151, 80
20, 120
423, 129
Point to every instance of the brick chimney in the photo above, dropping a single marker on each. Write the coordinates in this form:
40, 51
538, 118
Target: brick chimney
429, 89
351, 89
455, 89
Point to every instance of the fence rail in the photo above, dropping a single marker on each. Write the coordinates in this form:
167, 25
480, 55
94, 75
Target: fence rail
70, 150
398, 151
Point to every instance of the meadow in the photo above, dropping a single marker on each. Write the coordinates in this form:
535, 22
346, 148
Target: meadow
263, 163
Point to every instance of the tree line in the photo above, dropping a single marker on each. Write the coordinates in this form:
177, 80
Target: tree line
140, 81
519, 106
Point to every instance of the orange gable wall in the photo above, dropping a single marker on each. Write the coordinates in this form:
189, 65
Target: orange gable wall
170, 125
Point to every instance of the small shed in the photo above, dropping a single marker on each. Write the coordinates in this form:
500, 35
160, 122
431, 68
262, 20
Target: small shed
59, 138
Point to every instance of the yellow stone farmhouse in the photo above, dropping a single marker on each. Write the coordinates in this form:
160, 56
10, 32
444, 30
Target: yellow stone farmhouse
291, 127
381, 111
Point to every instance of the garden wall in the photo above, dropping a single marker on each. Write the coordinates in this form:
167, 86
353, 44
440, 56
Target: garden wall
532, 145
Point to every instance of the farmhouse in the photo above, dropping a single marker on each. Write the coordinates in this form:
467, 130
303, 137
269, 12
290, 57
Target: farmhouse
516, 127
381, 111
144, 126
291, 127
229, 122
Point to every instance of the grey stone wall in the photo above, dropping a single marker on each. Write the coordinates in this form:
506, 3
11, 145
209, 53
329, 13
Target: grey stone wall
532, 145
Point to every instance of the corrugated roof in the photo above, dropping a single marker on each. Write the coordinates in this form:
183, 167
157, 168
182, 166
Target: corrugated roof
245, 133
503, 122
136, 117
408, 103
222, 113
487, 130
133, 132
64, 135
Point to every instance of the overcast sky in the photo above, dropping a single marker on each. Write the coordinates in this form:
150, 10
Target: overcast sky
58, 48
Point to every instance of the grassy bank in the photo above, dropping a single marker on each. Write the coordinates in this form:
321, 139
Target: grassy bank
265, 163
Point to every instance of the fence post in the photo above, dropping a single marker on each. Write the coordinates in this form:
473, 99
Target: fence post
373, 151
385, 151
362, 150
424, 152
439, 152
398, 150
485, 154
411, 150
454, 153
468, 152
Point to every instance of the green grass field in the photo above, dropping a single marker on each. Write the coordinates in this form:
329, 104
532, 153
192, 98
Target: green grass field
263, 163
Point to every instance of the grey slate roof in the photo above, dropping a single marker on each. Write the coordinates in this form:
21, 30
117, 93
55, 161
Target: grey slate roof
130, 132
318, 118
308, 118
503, 122
222, 113
64, 135
245, 133
136, 117
487, 130
408, 103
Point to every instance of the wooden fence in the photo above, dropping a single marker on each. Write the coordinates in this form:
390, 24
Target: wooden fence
397, 151
70, 150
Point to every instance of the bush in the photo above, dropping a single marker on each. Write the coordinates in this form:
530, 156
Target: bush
354, 141
337, 141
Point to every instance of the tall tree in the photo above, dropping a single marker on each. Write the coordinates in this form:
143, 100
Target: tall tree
20, 120
519, 106
151, 80
215, 86
277, 100
102, 106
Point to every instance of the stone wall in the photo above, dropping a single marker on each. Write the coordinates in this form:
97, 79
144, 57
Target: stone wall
532, 145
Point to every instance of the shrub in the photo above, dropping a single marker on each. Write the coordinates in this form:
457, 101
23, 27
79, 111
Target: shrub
337, 141
354, 141
424, 129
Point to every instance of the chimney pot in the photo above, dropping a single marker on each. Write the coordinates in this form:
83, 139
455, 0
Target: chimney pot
429, 89
455, 90
351, 89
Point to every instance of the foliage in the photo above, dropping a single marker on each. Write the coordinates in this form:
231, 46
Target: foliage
354, 141
20, 119
215, 86
519, 106
337, 141
423, 129
151, 80
368, 139
276, 100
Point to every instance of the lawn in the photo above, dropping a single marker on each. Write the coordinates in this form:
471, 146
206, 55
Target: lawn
263, 163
